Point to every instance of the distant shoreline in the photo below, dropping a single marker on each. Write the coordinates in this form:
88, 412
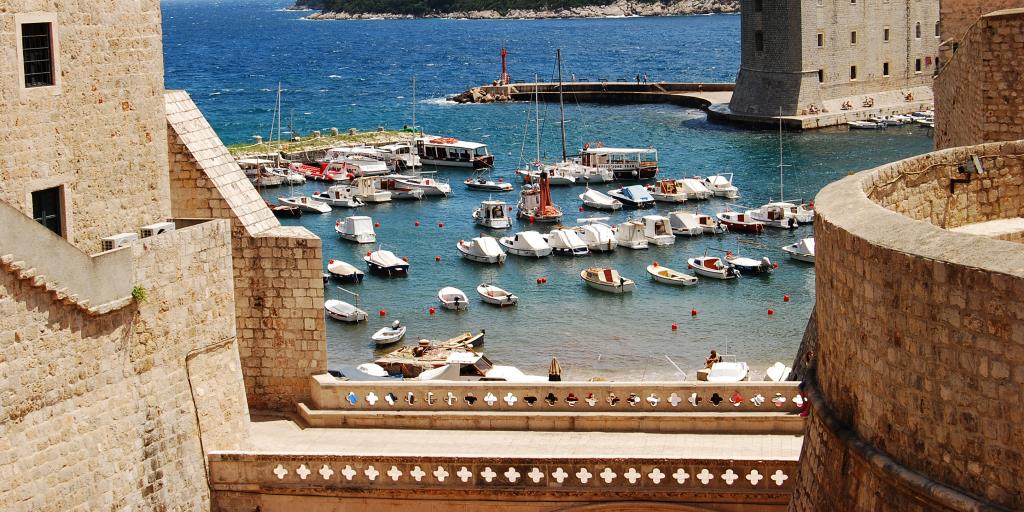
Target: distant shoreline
619, 9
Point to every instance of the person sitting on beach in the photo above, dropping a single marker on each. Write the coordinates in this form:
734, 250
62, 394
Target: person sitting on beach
712, 359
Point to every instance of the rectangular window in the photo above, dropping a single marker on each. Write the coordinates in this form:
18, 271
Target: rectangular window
885, 69
821, 40
46, 209
759, 41
853, 72
853, 37
885, 34
37, 53
821, 76
917, 65
758, 5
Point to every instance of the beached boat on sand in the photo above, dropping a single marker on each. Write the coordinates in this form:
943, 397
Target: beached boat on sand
473, 366
526, 243
410, 361
497, 296
607, 280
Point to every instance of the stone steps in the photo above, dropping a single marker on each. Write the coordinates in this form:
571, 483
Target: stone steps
58, 293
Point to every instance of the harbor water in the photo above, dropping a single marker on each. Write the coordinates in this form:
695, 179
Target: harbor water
231, 55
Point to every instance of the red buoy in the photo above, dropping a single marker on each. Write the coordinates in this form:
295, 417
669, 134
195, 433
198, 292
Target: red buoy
785, 298
417, 223
540, 280
655, 264
775, 265
369, 253
693, 312
531, 219
437, 259
544, 280
405, 259
581, 208
330, 262
382, 313
675, 327
510, 208
771, 311
440, 224
376, 224
432, 311
501, 180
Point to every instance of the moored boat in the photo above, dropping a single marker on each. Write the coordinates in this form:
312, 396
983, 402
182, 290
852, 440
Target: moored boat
526, 243
479, 183
667, 191
865, 125
607, 280
741, 222
711, 225
694, 188
398, 190
453, 298
750, 266
284, 210
721, 185
567, 242
599, 200
492, 214
658, 230
631, 234
598, 237
483, 249
306, 204
685, 223
451, 152
802, 250
535, 202
429, 186
495, 295
366, 191
385, 263
633, 196
668, 276
774, 215
339, 195
713, 267
389, 335
343, 311
357, 228
344, 272
624, 163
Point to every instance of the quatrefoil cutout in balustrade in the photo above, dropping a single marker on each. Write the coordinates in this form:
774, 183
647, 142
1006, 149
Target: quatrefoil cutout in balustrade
675, 399
653, 399
778, 400
757, 400
530, 400
613, 400
391, 399
510, 399
430, 398
571, 400
591, 399
632, 400
490, 398
798, 400
694, 399
551, 399
736, 399
410, 398
352, 398
716, 399
470, 399
451, 399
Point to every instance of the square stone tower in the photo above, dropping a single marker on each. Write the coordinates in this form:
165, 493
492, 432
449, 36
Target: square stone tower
798, 54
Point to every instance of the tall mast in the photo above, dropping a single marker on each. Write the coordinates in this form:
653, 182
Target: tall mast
561, 105
536, 104
414, 104
782, 195
279, 112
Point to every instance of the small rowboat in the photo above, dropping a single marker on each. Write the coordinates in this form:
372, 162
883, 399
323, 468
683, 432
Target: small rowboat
453, 298
388, 335
669, 276
341, 310
607, 280
802, 250
710, 266
344, 272
494, 295
488, 185
305, 204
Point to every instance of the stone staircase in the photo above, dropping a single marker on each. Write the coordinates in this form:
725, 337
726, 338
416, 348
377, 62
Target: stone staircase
29, 275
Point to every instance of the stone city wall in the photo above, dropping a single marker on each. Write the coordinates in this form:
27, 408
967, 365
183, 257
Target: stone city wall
959, 15
115, 411
278, 281
100, 131
920, 339
979, 94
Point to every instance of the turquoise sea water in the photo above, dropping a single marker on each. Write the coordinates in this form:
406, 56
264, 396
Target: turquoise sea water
230, 55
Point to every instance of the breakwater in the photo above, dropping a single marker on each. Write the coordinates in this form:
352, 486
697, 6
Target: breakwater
693, 95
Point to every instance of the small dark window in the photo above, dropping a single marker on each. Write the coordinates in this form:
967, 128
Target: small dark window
938, 30
853, 37
853, 72
917, 65
821, 40
38, 54
885, 69
917, 30
758, 5
46, 209
821, 76
885, 35
759, 41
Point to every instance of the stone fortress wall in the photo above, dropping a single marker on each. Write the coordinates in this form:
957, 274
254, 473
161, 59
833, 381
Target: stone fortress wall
916, 414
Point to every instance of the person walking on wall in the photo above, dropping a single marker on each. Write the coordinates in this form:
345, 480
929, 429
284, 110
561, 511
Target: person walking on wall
638, 78
645, 78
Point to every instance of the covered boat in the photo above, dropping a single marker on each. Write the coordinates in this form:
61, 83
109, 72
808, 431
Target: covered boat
711, 225
634, 196
631, 234
305, 204
357, 228
713, 267
497, 296
802, 250
411, 361
685, 223
484, 249
694, 188
740, 222
492, 214
339, 195
607, 280
389, 335
535, 202
343, 311
453, 298
385, 263
344, 272
658, 230
668, 276
598, 237
567, 242
667, 191
472, 366
480, 183
526, 243
721, 185
750, 266
599, 200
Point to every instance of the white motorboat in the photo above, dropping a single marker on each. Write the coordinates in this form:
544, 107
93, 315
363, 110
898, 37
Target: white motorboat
777, 372
453, 298
367, 191
598, 237
567, 242
721, 185
583, 174
685, 223
667, 191
599, 200
429, 186
358, 228
607, 280
400, 156
492, 214
373, 370
633, 196
631, 234
897, 120
488, 185
385, 263
774, 215
728, 371
398, 190
694, 188
355, 162
865, 125
750, 266
557, 176
803, 213
658, 230
388, 335
713, 267
802, 250
740, 222
526, 243
668, 276
472, 366
341, 310
344, 272
339, 195
483, 249
305, 204
451, 152
711, 225
494, 295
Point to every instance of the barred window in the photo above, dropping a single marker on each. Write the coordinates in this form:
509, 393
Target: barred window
37, 50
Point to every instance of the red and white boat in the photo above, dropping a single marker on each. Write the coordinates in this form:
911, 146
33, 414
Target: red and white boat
740, 221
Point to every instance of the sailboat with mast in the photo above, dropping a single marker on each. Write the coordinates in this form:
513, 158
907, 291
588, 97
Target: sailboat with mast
782, 214
573, 169
535, 202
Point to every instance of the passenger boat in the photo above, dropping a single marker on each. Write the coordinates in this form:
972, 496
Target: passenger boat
480, 183
668, 276
685, 223
341, 310
567, 242
526, 243
802, 250
473, 366
713, 267
429, 186
749, 266
453, 298
607, 280
599, 200
667, 191
634, 196
409, 362
339, 195
358, 228
658, 230
389, 335
385, 263
774, 215
344, 272
306, 204
624, 163
598, 237
284, 210
366, 191
483, 249
492, 214
711, 225
535, 202
741, 222
398, 190
721, 186
694, 188
631, 234
451, 152
497, 296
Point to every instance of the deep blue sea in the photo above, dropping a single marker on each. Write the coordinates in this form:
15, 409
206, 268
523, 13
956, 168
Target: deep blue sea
230, 56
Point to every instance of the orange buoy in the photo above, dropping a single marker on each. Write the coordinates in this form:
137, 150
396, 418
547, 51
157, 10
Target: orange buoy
382, 313
675, 327
785, 298
771, 311
693, 312
437, 259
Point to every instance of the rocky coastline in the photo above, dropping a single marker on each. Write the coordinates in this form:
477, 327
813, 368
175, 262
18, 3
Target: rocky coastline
620, 8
